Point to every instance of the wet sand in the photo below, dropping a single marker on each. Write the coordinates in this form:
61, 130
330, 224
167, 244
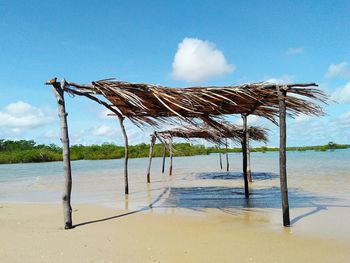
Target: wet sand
33, 233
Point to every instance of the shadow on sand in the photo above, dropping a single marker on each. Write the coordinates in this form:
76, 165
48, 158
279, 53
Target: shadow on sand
150, 206
232, 199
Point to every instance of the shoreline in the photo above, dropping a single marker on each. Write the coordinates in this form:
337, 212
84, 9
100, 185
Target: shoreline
145, 154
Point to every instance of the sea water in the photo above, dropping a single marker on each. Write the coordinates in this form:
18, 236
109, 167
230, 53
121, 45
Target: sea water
102, 181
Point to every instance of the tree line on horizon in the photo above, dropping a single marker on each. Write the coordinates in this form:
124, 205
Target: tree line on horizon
28, 151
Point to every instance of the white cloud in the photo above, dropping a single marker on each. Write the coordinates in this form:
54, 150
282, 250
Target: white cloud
303, 118
16, 130
281, 80
21, 115
345, 116
104, 114
251, 120
342, 94
197, 60
50, 134
294, 51
316, 131
340, 70
104, 130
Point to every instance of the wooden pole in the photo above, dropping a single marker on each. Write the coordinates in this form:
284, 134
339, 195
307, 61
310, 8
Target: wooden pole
164, 156
249, 171
126, 154
227, 163
220, 159
171, 156
282, 92
58, 90
151, 146
244, 152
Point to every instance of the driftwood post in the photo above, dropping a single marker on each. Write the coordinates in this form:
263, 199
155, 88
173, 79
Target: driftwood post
282, 92
227, 163
164, 155
220, 159
151, 146
58, 90
126, 154
249, 171
171, 156
244, 152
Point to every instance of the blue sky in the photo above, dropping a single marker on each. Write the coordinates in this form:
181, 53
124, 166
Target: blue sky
148, 41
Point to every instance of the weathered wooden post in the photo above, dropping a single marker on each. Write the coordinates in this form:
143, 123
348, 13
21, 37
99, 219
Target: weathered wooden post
58, 90
282, 92
244, 152
126, 154
220, 159
249, 171
171, 156
153, 140
164, 156
227, 163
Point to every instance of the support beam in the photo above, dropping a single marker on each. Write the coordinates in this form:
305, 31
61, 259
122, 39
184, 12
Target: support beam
249, 171
151, 146
171, 156
220, 159
126, 154
58, 90
227, 163
282, 92
244, 152
164, 156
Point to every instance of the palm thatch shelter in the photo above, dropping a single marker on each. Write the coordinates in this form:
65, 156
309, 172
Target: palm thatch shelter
153, 105
206, 132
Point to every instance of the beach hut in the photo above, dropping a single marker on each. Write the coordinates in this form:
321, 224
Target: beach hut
146, 104
204, 131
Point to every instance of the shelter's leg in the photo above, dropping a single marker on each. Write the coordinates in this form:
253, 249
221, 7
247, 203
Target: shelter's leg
171, 156
164, 155
151, 146
283, 161
126, 154
227, 163
58, 90
244, 152
249, 171
220, 159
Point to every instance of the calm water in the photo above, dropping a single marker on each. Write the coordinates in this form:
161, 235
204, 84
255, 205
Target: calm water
196, 179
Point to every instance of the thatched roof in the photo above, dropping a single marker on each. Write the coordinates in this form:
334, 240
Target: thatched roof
203, 131
152, 104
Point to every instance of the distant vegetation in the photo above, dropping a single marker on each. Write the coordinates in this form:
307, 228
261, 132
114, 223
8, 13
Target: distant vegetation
24, 151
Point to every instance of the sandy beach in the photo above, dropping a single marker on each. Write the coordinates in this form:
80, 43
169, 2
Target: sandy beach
33, 233
197, 215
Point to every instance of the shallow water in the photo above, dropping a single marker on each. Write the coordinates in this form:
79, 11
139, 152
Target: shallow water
318, 182
318, 172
